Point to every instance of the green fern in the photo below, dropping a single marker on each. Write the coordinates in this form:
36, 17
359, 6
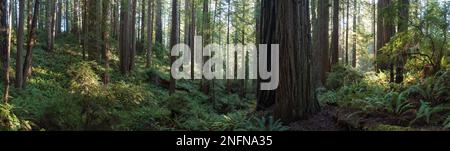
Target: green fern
269, 124
9, 121
426, 111
447, 123
398, 103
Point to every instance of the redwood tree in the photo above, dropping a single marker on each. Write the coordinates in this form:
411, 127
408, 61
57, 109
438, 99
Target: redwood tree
174, 37
20, 42
4, 47
335, 35
287, 23
31, 41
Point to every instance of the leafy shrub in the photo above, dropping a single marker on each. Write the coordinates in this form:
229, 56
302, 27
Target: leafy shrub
152, 117
64, 113
177, 104
128, 93
9, 121
232, 121
330, 98
228, 103
434, 89
341, 75
84, 79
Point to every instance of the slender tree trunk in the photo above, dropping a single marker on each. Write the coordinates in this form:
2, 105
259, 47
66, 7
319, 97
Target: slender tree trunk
207, 39
159, 32
174, 36
228, 39
84, 26
27, 70
192, 33
142, 40
50, 24
374, 25
347, 25
187, 21
67, 17
58, 16
105, 39
335, 34
150, 33
75, 26
20, 42
133, 34
355, 4
242, 83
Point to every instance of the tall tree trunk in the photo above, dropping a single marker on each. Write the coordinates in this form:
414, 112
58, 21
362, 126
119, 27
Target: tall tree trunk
142, 40
242, 83
75, 22
20, 42
335, 34
187, 20
58, 16
133, 34
30, 44
402, 27
93, 29
84, 26
374, 26
385, 32
5, 47
50, 24
322, 48
192, 33
355, 4
295, 96
127, 35
150, 33
174, 37
159, 32
347, 25
67, 17
228, 39
105, 39
207, 39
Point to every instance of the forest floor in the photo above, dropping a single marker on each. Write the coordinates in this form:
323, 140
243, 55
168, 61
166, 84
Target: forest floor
333, 118
325, 120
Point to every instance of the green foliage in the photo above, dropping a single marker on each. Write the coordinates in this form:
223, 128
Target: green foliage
384, 127
397, 102
9, 121
229, 103
434, 89
447, 123
266, 124
426, 111
84, 79
341, 75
